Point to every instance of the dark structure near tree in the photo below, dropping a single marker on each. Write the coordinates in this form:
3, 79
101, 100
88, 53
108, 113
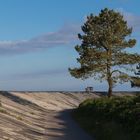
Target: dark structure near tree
135, 82
102, 50
89, 89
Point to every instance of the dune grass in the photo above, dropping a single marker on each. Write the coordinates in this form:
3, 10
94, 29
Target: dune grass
117, 118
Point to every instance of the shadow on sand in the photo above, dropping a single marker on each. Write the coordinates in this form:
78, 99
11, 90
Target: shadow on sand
68, 129
20, 100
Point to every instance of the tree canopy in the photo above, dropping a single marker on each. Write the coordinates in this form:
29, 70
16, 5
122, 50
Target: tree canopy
102, 52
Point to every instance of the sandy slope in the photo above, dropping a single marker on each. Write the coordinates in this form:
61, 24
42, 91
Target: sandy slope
40, 116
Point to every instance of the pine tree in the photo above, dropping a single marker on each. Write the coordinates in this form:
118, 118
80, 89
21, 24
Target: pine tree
102, 52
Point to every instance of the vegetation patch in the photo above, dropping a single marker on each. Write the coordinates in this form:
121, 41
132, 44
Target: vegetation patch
115, 118
3, 111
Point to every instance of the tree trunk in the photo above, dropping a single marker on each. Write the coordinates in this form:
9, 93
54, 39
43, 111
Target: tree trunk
109, 94
110, 82
109, 73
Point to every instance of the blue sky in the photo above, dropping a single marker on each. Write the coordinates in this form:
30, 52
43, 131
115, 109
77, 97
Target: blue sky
37, 39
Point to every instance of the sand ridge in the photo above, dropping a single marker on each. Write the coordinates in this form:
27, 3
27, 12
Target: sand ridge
40, 116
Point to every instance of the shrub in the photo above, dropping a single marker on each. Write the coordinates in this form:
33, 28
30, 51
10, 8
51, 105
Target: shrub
122, 112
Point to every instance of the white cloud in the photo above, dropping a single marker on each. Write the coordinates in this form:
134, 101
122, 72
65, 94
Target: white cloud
65, 36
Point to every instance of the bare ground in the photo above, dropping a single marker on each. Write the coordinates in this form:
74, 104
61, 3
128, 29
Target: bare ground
40, 116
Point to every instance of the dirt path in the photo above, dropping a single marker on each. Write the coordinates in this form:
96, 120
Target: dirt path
63, 127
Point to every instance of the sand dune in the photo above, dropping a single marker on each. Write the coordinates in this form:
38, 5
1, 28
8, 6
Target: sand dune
40, 116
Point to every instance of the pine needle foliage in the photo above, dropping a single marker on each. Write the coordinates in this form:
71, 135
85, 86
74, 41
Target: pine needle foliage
102, 52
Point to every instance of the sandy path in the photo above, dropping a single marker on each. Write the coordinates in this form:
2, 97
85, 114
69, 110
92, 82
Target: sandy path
40, 116
63, 127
